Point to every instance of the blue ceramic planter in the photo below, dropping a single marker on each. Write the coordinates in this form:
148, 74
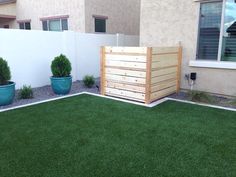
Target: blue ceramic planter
61, 85
7, 93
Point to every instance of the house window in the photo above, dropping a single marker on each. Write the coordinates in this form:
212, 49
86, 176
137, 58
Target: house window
217, 31
100, 25
55, 25
6, 26
25, 25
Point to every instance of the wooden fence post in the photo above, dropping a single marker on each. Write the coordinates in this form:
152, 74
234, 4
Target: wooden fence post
102, 71
148, 76
180, 54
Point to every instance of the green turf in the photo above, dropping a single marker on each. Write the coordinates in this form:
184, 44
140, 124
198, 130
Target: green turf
89, 136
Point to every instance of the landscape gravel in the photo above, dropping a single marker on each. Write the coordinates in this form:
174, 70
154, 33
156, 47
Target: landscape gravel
218, 100
45, 93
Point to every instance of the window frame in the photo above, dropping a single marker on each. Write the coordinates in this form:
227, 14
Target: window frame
218, 59
60, 19
100, 17
23, 22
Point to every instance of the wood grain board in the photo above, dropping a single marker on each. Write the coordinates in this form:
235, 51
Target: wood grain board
143, 74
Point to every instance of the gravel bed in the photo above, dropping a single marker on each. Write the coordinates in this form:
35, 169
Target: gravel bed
218, 100
45, 93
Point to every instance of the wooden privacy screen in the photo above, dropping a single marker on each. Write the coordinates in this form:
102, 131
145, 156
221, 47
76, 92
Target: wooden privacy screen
143, 74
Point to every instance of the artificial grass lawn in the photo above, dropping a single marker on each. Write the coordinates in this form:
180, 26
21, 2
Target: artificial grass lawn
89, 136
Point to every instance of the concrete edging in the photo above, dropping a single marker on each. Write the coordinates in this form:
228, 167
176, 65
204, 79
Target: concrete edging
119, 99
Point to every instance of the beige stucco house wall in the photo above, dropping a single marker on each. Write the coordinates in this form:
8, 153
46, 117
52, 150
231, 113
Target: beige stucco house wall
123, 16
8, 9
35, 10
7, 14
168, 22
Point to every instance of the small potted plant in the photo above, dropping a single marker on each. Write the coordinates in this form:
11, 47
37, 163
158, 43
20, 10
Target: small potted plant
7, 88
61, 80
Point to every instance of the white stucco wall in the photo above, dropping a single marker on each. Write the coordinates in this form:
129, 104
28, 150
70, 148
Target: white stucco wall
166, 23
123, 15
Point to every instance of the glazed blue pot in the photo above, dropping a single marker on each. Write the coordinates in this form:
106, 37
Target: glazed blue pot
61, 85
7, 93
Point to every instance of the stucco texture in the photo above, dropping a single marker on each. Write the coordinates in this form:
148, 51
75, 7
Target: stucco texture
123, 15
34, 10
168, 22
8, 9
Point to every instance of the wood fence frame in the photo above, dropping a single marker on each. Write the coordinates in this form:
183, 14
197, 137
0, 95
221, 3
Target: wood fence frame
151, 54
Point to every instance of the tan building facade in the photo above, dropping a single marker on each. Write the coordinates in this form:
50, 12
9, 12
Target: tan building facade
195, 23
77, 15
123, 16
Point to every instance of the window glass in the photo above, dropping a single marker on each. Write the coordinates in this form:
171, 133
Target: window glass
64, 24
209, 32
100, 25
54, 25
45, 25
27, 26
229, 32
22, 26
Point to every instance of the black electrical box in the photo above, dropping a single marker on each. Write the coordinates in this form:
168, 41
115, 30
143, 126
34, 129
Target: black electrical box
193, 76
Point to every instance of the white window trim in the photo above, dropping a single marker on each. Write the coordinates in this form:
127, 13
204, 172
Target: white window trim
218, 64
221, 31
212, 64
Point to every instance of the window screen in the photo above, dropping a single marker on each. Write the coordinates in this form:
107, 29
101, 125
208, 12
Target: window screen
209, 32
100, 25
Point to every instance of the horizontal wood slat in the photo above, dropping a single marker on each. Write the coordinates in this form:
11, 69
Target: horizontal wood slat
125, 79
122, 72
125, 86
161, 58
165, 63
126, 64
163, 78
163, 93
138, 50
126, 58
163, 50
124, 93
165, 71
163, 85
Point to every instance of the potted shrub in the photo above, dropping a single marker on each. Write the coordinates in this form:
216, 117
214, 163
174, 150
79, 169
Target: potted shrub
61, 80
7, 88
